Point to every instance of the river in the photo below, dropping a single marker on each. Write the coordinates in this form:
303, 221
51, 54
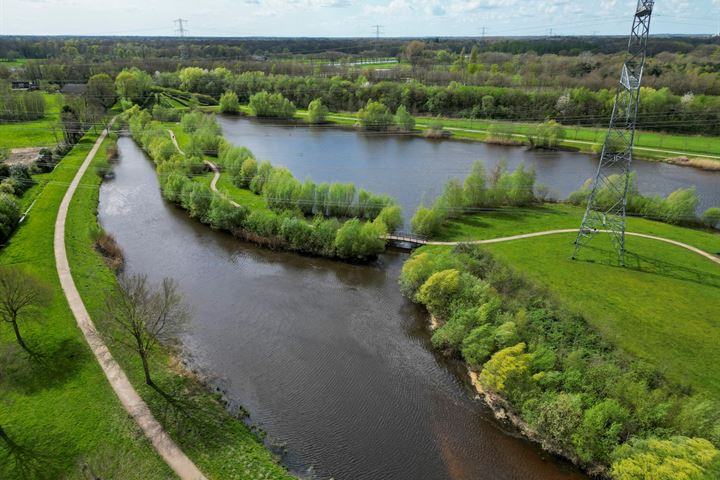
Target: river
328, 358
412, 169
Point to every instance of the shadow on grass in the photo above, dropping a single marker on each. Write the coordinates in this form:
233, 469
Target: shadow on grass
23, 462
479, 220
30, 372
655, 266
187, 413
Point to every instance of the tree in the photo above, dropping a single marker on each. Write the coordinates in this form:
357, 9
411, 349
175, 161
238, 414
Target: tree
548, 134
404, 120
133, 84
274, 105
674, 458
20, 294
101, 91
438, 291
375, 116
505, 367
414, 52
71, 124
600, 430
711, 217
475, 186
229, 103
681, 206
391, 217
317, 112
427, 221
145, 315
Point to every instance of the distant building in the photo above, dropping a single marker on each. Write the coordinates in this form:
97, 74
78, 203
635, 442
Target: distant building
24, 85
74, 89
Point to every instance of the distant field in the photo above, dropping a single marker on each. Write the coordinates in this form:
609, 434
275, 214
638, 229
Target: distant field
36, 133
18, 62
663, 307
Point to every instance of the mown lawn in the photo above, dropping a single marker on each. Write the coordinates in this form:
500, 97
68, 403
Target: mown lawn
663, 307
58, 408
36, 133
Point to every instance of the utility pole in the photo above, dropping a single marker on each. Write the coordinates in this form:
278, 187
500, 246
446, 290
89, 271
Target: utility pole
613, 174
181, 31
378, 31
483, 35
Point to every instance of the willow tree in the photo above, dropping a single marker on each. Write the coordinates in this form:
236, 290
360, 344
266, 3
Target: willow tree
21, 295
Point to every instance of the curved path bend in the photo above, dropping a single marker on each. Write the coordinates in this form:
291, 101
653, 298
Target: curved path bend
126, 393
709, 256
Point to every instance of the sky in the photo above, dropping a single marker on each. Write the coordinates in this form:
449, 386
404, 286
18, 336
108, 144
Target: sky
350, 18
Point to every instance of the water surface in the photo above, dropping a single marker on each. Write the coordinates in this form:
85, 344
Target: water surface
412, 169
327, 357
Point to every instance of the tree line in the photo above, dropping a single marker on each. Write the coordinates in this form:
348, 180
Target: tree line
327, 220
578, 396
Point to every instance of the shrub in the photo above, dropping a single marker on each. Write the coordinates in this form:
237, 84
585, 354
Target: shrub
375, 116
475, 186
317, 112
711, 217
165, 114
224, 215
505, 368
196, 198
427, 221
262, 223
247, 172
600, 430
548, 134
676, 458
391, 217
229, 103
404, 120
274, 105
9, 216
358, 240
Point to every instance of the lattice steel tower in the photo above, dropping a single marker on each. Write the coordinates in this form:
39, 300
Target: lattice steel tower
613, 174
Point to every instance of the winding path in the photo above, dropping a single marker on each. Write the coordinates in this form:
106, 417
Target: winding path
126, 393
703, 253
709, 256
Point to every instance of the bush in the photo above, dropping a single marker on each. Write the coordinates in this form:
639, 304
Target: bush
317, 112
711, 217
427, 221
9, 216
391, 217
548, 134
375, 116
506, 368
676, 458
223, 215
404, 120
165, 114
229, 103
274, 105
358, 240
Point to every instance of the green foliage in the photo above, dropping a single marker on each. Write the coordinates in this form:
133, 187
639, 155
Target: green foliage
317, 112
391, 217
676, 458
404, 120
711, 217
165, 114
358, 240
427, 221
16, 106
133, 84
478, 345
548, 134
274, 105
600, 431
557, 417
475, 186
9, 216
223, 215
506, 368
101, 91
438, 291
375, 116
229, 103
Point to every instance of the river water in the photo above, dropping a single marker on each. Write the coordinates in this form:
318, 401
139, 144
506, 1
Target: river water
328, 358
412, 169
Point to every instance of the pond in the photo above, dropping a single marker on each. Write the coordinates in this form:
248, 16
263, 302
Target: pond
414, 169
328, 358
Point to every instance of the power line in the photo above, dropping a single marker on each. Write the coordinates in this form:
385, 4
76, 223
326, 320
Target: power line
181, 30
378, 30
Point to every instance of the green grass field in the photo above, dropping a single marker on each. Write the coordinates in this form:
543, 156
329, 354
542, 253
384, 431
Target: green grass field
663, 307
59, 408
36, 133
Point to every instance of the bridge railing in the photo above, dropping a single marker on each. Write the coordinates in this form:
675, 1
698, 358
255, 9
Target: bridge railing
406, 237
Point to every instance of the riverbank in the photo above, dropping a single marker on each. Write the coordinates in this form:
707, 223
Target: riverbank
535, 362
92, 433
683, 150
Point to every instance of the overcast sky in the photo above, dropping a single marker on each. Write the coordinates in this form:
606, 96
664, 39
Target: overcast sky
349, 17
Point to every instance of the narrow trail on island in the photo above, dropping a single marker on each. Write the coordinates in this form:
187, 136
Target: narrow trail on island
418, 241
126, 393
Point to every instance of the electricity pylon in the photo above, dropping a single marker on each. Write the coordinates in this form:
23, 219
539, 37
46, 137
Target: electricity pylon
181, 30
613, 174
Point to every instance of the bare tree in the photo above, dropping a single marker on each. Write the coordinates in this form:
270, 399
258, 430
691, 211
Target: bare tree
20, 294
146, 315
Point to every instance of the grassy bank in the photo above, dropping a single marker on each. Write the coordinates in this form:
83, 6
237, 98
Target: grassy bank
583, 139
59, 408
222, 446
663, 307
